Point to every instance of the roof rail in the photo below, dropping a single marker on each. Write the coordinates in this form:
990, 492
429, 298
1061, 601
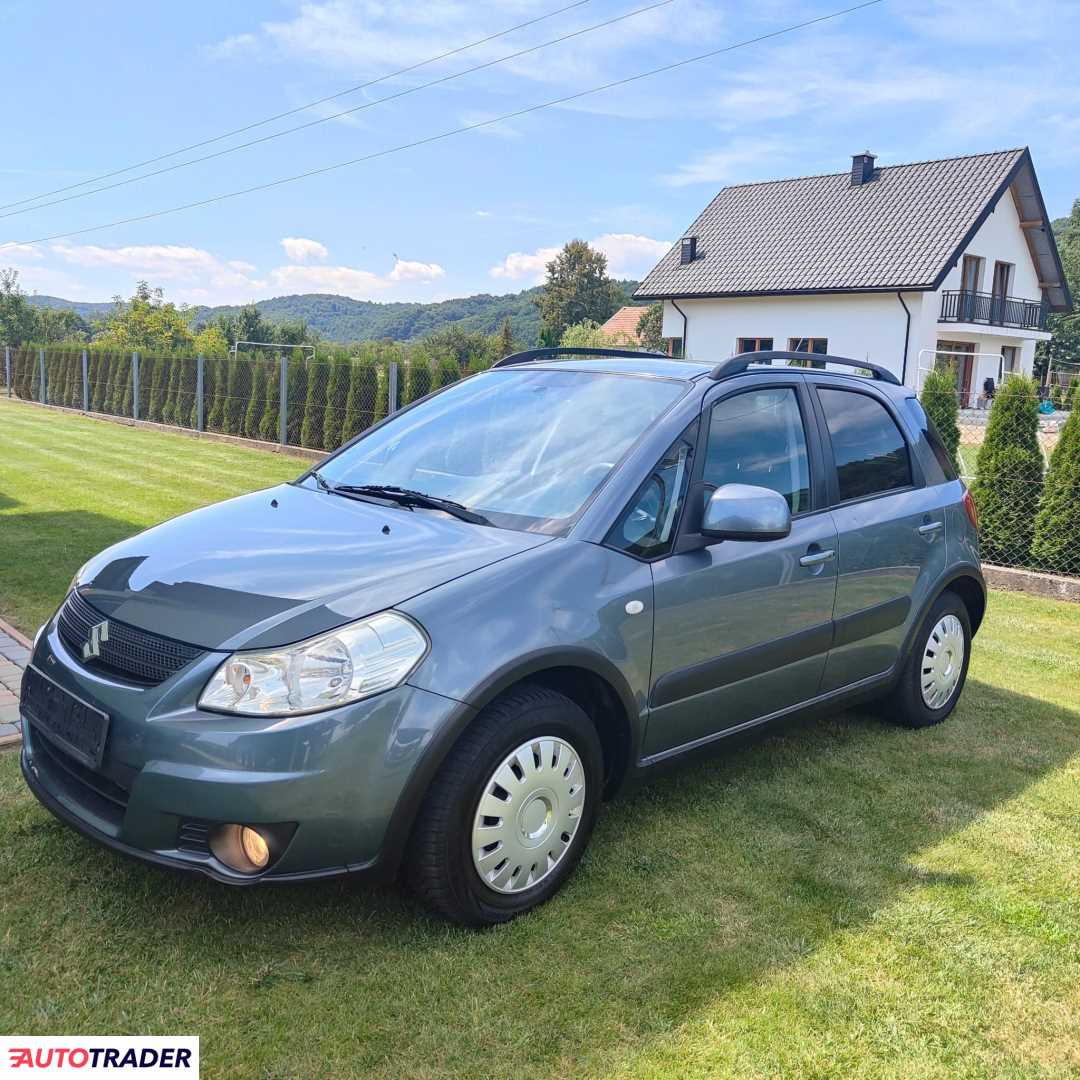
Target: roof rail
571, 350
736, 365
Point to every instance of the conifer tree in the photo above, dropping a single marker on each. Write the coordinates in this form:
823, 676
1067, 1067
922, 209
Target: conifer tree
939, 399
1056, 543
256, 399
268, 422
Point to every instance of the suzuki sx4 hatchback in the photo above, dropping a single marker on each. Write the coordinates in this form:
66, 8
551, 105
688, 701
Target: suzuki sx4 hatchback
436, 654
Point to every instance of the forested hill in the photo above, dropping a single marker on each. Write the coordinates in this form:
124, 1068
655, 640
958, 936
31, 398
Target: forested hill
338, 318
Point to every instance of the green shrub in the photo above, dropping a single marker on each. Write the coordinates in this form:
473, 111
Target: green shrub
167, 367
236, 379
311, 429
296, 384
1057, 396
178, 396
268, 422
939, 399
93, 373
447, 371
35, 378
217, 370
417, 378
337, 391
1057, 526
256, 399
1009, 472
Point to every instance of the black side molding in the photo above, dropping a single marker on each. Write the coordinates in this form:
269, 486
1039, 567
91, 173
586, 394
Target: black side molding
870, 621
741, 664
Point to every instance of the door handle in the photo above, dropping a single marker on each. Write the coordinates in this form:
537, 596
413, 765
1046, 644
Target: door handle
817, 557
931, 527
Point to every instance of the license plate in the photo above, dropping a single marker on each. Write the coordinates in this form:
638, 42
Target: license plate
74, 726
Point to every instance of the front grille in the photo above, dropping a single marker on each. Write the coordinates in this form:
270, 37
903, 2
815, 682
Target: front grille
132, 654
98, 793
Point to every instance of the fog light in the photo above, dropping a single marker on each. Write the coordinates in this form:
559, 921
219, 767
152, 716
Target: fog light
254, 847
241, 848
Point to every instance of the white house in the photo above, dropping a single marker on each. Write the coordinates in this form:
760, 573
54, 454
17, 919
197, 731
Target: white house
895, 265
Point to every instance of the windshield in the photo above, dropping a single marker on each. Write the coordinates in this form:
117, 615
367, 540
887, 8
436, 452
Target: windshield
526, 449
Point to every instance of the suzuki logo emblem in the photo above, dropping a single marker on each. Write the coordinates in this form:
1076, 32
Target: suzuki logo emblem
99, 634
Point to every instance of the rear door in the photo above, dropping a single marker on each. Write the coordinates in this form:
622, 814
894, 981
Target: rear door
742, 628
890, 527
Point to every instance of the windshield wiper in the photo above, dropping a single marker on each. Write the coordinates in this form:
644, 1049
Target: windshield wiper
405, 497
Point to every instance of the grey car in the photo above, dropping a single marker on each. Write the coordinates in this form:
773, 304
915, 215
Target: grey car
436, 654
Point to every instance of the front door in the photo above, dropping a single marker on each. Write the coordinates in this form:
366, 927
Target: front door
891, 534
960, 356
742, 628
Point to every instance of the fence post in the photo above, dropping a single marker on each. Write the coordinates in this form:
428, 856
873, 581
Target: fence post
134, 386
283, 399
391, 388
7, 368
43, 396
85, 384
198, 393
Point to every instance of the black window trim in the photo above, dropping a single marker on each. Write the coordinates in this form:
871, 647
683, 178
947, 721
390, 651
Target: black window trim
819, 503
918, 478
673, 545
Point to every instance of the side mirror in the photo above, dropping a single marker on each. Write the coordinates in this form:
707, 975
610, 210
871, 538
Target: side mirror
744, 512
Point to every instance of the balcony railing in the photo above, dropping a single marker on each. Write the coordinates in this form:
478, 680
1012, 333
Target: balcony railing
960, 305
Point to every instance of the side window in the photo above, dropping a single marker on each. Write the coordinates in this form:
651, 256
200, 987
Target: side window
648, 525
870, 452
757, 437
943, 469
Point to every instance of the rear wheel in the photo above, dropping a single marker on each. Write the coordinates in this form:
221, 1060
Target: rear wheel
509, 814
935, 672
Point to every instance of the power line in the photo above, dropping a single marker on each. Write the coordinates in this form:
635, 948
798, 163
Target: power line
347, 112
454, 131
301, 108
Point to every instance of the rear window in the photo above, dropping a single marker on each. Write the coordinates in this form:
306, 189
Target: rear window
870, 453
941, 470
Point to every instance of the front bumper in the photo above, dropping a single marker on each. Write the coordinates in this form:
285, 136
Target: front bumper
170, 772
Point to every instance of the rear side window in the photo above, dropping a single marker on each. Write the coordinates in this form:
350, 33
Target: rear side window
870, 452
942, 469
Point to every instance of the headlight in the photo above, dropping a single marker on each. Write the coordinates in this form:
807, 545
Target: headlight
348, 664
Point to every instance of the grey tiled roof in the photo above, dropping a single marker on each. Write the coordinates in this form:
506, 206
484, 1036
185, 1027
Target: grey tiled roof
899, 229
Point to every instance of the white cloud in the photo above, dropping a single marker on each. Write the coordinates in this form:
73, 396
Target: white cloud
742, 158
14, 252
231, 47
628, 255
300, 250
521, 264
349, 281
405, 270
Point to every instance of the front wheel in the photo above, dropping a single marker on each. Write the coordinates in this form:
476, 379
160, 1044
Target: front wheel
934, 675
509, 814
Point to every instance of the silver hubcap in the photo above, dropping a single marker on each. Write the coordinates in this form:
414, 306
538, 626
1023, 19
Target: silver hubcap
529, 811
943, 660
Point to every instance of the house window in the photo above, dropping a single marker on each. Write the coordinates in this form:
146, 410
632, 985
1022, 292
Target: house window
971, 274
1008, 363
817, 345
999, 295
753, 344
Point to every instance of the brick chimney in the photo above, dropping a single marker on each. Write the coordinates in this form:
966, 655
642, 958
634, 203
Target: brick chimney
862, 168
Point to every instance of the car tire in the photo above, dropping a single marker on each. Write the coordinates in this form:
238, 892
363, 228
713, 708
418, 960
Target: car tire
933, 676
541, 734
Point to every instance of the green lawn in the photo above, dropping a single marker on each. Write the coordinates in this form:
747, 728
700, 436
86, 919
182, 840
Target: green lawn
70, 486
843, 898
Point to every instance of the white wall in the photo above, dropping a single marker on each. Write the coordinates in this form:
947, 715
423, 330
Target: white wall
1000, 239
870, 326
863, 326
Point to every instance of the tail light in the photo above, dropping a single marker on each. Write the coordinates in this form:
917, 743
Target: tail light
971, 510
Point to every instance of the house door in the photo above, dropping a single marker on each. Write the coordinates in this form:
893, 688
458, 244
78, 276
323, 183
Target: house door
969, 286
1002, 273
960, 356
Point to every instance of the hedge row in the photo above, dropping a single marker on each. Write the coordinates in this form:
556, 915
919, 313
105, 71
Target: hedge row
329, 401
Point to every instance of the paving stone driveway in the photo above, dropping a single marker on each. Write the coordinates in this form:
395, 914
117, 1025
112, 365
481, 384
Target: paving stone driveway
14, 656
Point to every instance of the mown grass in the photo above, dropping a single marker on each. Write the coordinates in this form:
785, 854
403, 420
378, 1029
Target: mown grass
844, 898
70, 486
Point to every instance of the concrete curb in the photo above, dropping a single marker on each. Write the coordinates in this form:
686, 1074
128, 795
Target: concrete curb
1050, 586
212, 436
18, 635
14, 656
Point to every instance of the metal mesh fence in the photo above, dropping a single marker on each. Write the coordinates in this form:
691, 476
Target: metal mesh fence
1020, 456
326, 400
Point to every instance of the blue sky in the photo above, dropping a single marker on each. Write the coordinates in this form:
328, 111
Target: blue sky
92, 88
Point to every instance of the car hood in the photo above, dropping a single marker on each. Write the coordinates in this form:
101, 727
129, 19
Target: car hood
280, 565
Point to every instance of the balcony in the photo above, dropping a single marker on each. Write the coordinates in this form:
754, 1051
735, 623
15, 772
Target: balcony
961, 306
